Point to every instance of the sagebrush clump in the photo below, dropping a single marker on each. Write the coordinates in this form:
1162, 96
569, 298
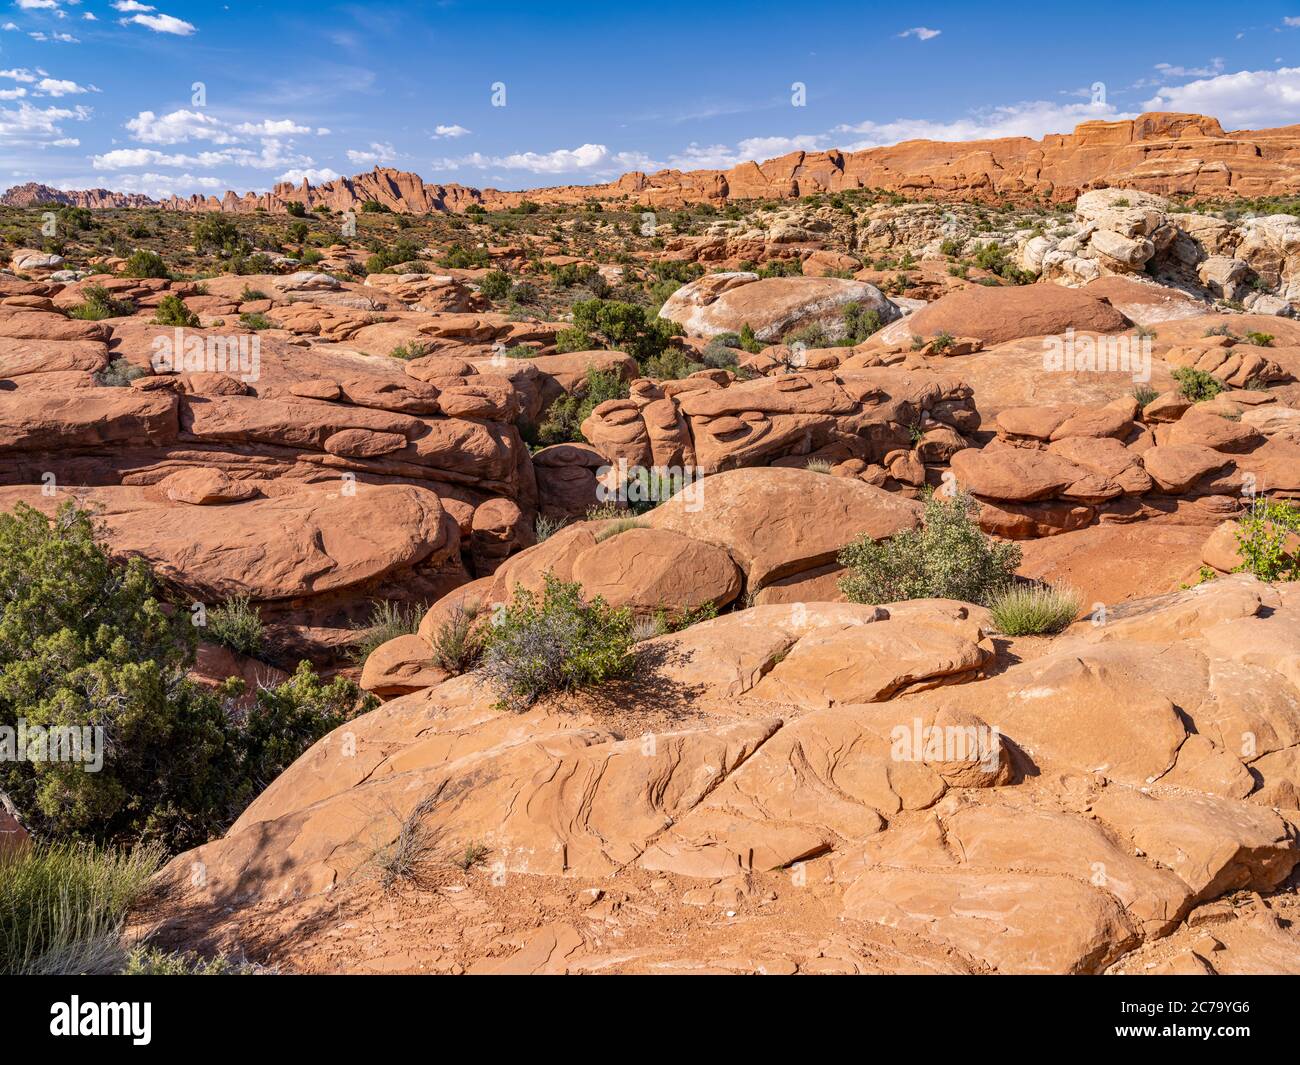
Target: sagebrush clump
554, 642
946, 558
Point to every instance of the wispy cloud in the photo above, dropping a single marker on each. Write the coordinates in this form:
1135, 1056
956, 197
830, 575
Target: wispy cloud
921, 33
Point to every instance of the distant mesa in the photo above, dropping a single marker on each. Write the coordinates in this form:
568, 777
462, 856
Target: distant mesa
1171, 154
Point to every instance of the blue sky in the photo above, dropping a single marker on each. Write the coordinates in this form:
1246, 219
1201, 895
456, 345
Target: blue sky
101, 92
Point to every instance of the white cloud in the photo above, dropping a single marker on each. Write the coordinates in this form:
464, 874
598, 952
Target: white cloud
758, 149
10, 26
64, 38
921, 33
89, 16
312, 177
36, 125
271, 127
1215, 67
1033, 118
450, 131
588, 158
377, 153
36, 5
19, 74
1248, 98
1291, 20
163, 24
13, 94
178, 127
62, 87
127, 6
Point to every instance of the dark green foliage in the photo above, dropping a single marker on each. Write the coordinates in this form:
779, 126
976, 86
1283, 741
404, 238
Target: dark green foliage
947, 558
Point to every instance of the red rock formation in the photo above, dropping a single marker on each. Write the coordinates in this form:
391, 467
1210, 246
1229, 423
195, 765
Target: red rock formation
31, 194
1167, 153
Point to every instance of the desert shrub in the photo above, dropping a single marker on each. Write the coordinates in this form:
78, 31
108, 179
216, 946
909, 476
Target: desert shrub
1144, 394
942, 343
252, 295
748, 341
781, 268
720, 355
620, 525
458, 641
118, 374
145, 263
151, 961
216, 233
404, 251
256, 321
544, 527
1262, 540
412, 349
98, 303
1033, 609
670, 365
375, 207
387, 621
86, 642
1196, 385
994, 258
311, 256
172, 311
458, 257
860, 323
562, 423
612, 324
1263, 340
810, 336
495, 285
555, 642
818, 466
295, 209
236, 624
947, 557
414, 845
63, 906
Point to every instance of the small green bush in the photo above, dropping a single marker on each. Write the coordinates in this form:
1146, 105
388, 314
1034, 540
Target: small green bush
1144, 394
1262, 340
947, 558
458, 640
252, 295
555, 642
172, 311
413, 349
236, 624
1197, 385
625, 327
495, 285
1033, 609
1262, 540
150, 961
98, 303
144, 263
388, 621
118, 374
458, 257
562, 423
256, 321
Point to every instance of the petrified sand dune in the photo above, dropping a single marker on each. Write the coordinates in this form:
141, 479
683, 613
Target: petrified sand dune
1112, 800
